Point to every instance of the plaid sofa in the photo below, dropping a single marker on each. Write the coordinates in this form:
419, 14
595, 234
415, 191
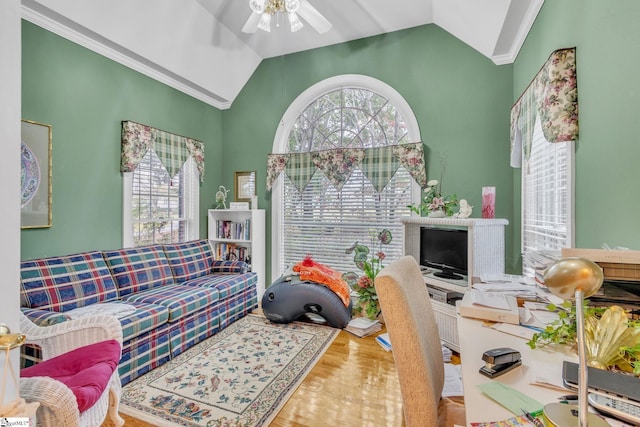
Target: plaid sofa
172, 296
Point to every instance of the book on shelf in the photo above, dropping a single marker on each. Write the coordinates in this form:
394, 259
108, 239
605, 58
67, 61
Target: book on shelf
384, 341
362, 327
233, 230
231, 252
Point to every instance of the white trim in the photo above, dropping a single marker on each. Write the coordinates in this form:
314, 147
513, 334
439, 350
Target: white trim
127, 223
120, 54
523, 30
297, 107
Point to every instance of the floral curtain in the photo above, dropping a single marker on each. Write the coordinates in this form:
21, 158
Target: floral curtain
378, 165
172, 150
552, 96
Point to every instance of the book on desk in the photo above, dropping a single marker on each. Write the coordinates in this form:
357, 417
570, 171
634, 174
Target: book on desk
482, 305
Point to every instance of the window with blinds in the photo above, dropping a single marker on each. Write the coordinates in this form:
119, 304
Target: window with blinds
158, 208
323, 221
547, 199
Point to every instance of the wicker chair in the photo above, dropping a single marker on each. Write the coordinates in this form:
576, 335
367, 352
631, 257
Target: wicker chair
417, 351
58, 405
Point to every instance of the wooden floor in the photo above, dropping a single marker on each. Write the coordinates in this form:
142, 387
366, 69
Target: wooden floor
353, 384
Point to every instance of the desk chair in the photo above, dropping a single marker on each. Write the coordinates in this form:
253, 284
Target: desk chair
417, 350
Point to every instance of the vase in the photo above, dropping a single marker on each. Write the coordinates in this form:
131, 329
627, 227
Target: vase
440, 213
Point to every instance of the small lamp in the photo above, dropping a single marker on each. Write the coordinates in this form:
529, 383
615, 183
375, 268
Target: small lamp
575, 278
8, 342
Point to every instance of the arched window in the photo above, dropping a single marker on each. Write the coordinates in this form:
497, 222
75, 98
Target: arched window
311, 214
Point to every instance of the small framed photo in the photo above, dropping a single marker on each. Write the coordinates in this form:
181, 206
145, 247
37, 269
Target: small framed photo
35, 180
244, 186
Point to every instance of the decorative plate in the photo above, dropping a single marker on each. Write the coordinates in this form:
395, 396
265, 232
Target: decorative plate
29, 174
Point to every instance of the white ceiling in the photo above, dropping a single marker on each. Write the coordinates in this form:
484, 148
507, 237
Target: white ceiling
197, 46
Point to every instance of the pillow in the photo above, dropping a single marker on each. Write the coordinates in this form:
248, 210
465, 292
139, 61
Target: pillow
85, 370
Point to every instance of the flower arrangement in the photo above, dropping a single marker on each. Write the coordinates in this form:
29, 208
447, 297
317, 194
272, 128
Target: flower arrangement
434, 201
370, 263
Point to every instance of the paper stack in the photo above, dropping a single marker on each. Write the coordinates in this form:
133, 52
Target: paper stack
384, 341
361, 326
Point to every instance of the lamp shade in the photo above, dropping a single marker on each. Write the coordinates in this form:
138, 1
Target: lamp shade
567, 275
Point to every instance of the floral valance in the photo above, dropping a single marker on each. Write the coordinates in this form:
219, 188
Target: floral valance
553, 97
378, 165
172, 150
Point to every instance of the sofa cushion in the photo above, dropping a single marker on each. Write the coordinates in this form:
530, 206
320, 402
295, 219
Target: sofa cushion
139, 269
189, 260
147, 317
226, 284
180, 300
66, 282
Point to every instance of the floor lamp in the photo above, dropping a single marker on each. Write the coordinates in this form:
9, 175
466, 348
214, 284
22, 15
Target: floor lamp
575, 279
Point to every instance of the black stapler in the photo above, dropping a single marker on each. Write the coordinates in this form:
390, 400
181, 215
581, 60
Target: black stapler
499, 361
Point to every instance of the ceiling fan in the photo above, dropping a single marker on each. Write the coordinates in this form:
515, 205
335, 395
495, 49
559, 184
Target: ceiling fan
263, 10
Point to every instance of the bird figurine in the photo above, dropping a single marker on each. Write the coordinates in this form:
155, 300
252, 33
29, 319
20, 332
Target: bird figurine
221, 197
465, 209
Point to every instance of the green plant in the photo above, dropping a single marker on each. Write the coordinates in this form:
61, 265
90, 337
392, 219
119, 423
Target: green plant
433, 198
370, 263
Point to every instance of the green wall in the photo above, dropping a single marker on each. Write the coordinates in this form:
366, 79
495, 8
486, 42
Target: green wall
460, 98
606, 36
85, 96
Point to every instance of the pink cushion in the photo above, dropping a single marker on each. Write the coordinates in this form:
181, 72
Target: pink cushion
85, 370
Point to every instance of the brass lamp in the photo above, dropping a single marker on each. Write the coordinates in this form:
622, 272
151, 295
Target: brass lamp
575, 278
8, 342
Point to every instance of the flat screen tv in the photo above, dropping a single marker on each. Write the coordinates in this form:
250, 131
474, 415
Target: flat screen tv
444, 249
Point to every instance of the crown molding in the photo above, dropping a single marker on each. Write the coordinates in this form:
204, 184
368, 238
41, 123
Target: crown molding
523, 30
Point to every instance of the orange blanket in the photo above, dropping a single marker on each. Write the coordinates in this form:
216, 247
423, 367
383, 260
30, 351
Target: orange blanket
320, 273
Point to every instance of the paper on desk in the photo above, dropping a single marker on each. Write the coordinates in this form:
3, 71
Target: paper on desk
512, 399
546, 374
489, 299
452, 381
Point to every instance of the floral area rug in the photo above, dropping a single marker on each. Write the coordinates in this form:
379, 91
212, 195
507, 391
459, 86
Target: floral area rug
242, 376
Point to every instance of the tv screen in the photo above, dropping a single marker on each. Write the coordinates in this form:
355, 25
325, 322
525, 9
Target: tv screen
444, 249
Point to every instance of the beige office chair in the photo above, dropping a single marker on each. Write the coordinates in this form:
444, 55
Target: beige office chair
417, 351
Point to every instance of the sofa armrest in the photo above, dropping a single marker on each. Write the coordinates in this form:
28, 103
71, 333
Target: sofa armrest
219, 266
44, 317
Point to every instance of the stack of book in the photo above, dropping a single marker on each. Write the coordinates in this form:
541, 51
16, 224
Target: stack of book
362, 327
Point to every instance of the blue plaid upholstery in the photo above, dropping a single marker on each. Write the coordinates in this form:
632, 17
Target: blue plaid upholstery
193, 329
237, 306
179, 300
143, 353
139, 269
190, 259
225, 284
43, 317
63, 283
221, 266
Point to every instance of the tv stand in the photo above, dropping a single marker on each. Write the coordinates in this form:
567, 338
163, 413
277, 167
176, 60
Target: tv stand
485, 256
448, 275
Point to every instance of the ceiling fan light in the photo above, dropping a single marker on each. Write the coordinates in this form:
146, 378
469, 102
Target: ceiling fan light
265, 22
257, 6
292, 5
295, 22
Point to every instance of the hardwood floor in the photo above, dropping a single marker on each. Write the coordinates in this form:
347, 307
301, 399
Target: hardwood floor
353, 384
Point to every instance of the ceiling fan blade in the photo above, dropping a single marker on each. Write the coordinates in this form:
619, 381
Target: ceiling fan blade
313, 17
251, 26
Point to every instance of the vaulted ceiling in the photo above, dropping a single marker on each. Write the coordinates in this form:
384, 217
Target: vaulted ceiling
198, 47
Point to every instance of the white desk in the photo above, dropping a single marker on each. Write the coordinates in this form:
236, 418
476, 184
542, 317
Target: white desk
475, 339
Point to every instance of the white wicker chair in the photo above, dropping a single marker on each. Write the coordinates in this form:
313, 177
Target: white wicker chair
58, 405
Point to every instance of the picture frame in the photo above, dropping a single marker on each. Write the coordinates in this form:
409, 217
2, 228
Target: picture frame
36, 173
244, 186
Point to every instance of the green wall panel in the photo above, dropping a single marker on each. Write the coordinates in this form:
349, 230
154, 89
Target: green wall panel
85, 96
606, 37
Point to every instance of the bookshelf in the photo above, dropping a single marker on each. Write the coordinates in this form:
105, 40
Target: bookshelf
485, 255
239, 234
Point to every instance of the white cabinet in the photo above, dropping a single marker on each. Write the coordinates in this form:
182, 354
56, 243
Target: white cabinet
240, 234
485, 255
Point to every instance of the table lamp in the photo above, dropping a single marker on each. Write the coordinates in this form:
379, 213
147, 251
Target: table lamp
575, 278
8, 342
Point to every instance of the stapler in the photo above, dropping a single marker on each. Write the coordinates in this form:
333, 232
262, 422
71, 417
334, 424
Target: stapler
499, 361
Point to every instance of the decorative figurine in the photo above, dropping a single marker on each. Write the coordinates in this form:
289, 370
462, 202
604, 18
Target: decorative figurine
221, 197
465, 209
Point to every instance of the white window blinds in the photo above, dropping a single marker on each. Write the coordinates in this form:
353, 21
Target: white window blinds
547, 199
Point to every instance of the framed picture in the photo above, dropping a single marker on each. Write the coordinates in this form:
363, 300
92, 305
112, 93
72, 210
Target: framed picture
35, 175
244, 186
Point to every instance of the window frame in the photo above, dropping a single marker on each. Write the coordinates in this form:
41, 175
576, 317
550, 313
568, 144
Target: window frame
192, 204
280, 143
